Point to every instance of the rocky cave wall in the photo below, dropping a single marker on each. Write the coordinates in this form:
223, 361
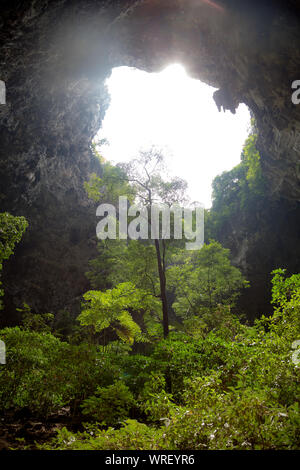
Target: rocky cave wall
55, 57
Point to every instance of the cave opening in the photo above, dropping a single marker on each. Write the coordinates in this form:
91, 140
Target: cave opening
176, 113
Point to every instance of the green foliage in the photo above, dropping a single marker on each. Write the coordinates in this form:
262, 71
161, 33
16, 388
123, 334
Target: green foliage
216, 419
11, 232
112, 184
109, 405
234, 388
284, 289
142, 263
124, 261
35, 321
112, 308
238, 194
213, 383
251, 158
136, 370
205, 280
177, 356
131, 436
43, 374
286, 298
154, 400
220, 321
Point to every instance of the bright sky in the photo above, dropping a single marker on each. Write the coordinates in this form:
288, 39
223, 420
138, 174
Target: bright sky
178, 114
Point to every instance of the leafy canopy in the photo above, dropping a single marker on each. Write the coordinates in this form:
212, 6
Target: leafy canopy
204, 280
11, 232
113, 307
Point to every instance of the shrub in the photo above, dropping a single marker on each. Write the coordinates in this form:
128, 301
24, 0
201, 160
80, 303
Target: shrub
43, 373
237, 419
154, 400
109, 405
131, 436
136, 370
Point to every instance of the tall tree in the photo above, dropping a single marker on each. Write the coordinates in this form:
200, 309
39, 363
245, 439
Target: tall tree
145, 174
142, 180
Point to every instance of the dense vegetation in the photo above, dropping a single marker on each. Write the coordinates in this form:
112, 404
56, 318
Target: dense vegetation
252, 222
159, 358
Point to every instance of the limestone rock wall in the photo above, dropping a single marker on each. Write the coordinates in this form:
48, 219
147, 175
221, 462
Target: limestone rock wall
55, 56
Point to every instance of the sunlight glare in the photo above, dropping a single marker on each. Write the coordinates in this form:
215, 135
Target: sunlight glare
173, 111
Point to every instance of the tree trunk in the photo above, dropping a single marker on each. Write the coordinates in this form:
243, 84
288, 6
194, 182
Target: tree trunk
162, 281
